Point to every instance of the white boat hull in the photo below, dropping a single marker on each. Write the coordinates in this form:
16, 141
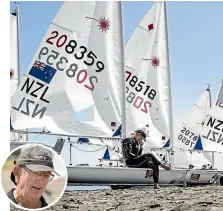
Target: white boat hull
200, 176
85, 175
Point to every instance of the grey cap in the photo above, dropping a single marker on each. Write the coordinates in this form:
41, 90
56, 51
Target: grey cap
36, 158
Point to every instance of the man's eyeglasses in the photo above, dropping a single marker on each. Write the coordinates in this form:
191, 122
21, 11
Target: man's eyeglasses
46, 175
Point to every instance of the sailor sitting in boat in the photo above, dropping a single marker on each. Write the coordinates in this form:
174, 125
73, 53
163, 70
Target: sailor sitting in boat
132, 151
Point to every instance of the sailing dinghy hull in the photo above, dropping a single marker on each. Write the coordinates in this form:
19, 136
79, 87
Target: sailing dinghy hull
82, 175
85, 175
195, 177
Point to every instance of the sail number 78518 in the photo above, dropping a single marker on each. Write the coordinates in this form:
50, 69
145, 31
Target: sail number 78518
138, 101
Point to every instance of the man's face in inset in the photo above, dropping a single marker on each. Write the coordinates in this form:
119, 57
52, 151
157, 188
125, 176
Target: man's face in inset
31, 184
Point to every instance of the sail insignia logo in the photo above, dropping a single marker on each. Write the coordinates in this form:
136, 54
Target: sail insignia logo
150, 27
155, 61
103, 23
12, 73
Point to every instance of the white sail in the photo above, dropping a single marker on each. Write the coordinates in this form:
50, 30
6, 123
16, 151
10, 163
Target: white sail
211, 138
78, 65
187, 136
217, 109
14, 65
148, 102
189, 131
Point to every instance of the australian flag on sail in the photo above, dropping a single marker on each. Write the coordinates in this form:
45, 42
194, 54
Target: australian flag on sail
42, 72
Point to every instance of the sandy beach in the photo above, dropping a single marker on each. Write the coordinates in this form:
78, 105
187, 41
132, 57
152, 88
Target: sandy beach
139, 199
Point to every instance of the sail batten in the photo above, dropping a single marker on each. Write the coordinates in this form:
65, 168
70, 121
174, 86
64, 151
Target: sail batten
62, 27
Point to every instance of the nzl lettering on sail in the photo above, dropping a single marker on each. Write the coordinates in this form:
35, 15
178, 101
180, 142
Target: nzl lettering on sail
34, 90
215, 131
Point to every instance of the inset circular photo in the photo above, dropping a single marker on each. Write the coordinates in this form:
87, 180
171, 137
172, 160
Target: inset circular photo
34, 177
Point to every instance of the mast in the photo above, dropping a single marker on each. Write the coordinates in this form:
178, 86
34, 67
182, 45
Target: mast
170, 97
212, 153
18, 54
209, 92
18, 51
123, 101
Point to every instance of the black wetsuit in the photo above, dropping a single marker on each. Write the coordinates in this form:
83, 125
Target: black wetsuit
132, 151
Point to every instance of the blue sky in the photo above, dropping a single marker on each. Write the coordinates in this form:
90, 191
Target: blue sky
195, 38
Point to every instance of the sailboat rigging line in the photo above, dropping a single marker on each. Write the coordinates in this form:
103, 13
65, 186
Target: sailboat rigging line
104, 146
57, 134
78, 142
88, 150
192, 150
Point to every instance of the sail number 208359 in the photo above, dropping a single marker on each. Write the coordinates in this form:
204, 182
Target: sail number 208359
70, 47
53, 58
